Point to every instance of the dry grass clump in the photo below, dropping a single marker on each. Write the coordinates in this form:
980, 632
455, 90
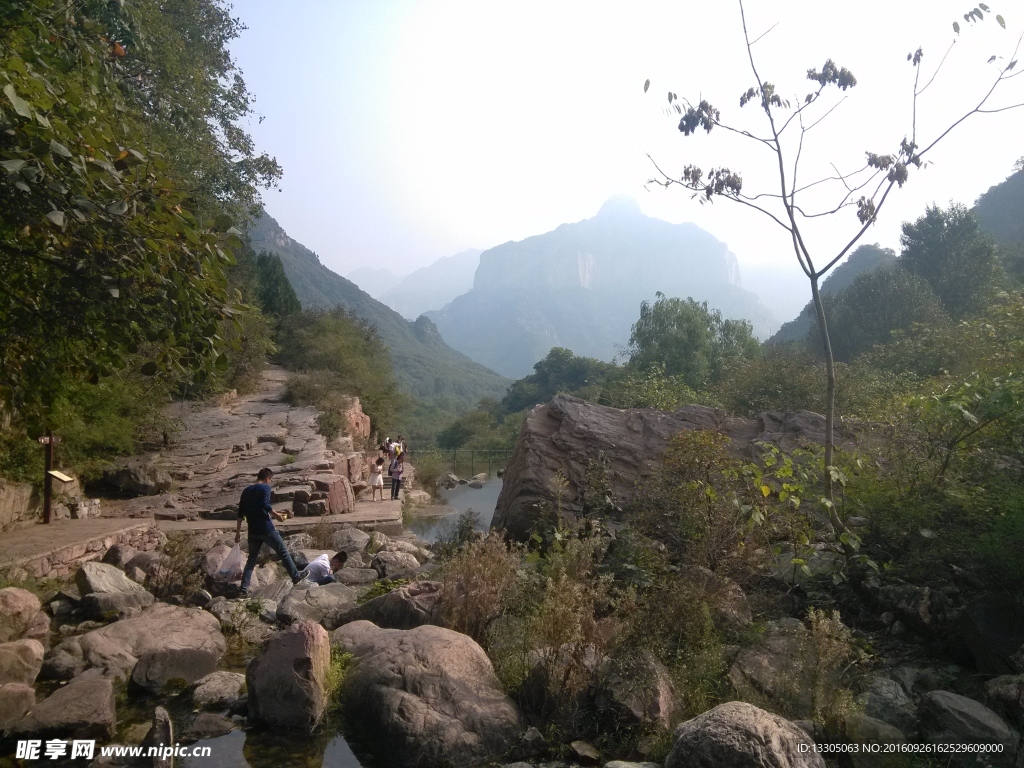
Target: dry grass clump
179, 575
479, 580
833, 655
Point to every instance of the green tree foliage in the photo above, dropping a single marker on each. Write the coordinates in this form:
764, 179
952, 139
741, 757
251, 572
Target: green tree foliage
189, 96
947, 248
123, 170
101, 252
877, 304
485, 427
688, 339
273, 291
338, 355
560, 371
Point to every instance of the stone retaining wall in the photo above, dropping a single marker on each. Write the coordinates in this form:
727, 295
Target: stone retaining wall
63, 561
17, 500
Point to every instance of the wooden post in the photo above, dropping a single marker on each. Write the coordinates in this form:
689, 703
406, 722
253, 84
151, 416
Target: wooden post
47, 479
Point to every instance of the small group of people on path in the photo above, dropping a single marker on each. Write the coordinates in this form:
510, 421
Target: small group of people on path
255, 509
392, 453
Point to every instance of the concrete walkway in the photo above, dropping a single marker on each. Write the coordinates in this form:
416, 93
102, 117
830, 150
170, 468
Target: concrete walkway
367, 514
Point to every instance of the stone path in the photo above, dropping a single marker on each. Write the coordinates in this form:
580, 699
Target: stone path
217, 452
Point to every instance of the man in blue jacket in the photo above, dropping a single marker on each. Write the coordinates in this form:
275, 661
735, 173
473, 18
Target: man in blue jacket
254, 507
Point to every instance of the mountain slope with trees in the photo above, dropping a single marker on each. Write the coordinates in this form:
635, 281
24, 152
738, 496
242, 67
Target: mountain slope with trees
426, 367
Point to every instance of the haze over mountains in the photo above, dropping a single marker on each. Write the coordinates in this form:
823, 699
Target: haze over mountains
425, 366
427, 288
581, 285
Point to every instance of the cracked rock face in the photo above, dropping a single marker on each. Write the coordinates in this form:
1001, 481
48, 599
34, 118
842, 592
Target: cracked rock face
567, 434
430, 695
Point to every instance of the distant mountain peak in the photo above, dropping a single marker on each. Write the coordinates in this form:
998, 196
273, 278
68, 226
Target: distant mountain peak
619, 206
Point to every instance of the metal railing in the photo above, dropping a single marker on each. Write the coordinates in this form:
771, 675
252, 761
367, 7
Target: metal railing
464, 459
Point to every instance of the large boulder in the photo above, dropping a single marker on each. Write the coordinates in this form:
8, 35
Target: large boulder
566, 434
739, 735
173, 666
119, 555
108, 606
20, 661
326, 605
395, 565
82, 709
101, 578
340, 497
411, 605
287, 681
350, 540
884, 699
1005, 694
18, 609
16, 699
218, 690
428, 694
640, 690
948, 718
117, 647
135, 477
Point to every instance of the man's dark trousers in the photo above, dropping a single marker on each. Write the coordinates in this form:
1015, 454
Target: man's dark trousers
274, 541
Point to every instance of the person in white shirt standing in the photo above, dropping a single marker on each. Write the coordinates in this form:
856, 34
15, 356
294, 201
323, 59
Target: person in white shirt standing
321, 569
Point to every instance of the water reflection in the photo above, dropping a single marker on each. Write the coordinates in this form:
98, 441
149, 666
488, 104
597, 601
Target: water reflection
459, 499
239, 749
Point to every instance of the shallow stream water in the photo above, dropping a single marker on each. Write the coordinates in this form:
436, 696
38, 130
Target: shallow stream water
459, 499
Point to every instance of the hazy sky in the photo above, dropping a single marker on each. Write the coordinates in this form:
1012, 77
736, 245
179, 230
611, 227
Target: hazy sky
413, 130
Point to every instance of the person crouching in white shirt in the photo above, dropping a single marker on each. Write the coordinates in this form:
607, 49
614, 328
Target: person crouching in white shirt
321, 569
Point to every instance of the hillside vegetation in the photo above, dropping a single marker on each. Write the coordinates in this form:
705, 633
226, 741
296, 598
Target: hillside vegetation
425, 367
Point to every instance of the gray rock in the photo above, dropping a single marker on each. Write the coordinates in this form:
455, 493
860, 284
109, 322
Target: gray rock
565, 435
156, 670
147, 562
395, 565
583, 752
993, 630
858, 728
110, 606
641, 691
355, 576
119, 555
624, 764
730, 608
20, 661
18, 609
885, 700
325, 605
411, 605
429, 695
287, 681
476, 484
160, 734
82, 709
118, 646
273, 591
208, 726
1005, 694
948, 718
351, 540
16, 699
138, 478
218, 690
777, 670
739, 735
39, 629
